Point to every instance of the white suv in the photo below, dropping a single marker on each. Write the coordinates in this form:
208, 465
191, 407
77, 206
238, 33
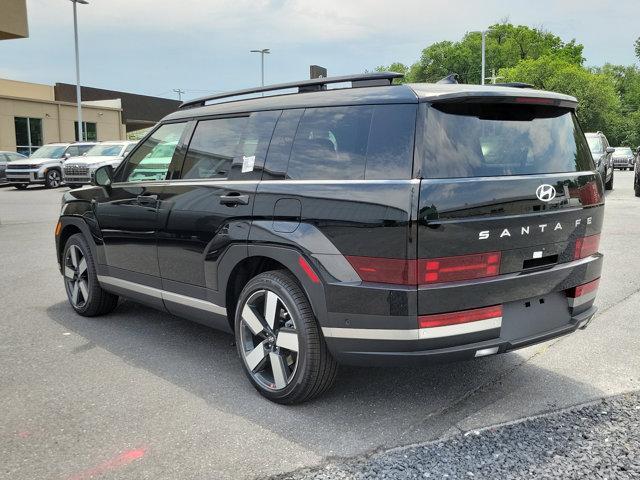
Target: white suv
44, 165
77, 171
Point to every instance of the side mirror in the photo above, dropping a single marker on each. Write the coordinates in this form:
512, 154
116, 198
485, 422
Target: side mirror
67, 155
103, 176
610, 150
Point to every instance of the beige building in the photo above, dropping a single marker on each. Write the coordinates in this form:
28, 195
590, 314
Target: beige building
13, 19
31, 117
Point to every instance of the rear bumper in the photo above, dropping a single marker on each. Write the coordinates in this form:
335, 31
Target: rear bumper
378, 325
351, 352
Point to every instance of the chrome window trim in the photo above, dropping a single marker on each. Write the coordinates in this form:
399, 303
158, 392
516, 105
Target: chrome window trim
163, 294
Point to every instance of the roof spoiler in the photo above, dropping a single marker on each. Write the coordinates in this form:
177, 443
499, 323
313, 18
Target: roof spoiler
514, 85
316, 84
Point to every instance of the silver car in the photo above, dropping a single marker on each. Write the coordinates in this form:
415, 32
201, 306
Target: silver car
623, 158
77, 171
5, 158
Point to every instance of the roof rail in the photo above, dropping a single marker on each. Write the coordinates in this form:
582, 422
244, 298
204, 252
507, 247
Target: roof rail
313, 85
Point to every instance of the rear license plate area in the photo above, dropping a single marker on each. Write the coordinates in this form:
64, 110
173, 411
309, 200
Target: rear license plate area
534, 316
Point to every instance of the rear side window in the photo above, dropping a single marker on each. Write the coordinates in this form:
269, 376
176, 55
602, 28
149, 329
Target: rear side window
353, 143
230, 148
479, 139
212, 148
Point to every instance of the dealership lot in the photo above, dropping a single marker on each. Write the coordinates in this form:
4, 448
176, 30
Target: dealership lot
141, 394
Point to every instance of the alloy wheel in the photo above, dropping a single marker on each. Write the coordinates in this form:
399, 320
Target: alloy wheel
269, 340
54, 178
76, 277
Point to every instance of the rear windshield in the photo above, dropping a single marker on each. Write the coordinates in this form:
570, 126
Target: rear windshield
481, 139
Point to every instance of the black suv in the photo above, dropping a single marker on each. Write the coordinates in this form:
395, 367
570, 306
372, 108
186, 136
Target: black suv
374, 224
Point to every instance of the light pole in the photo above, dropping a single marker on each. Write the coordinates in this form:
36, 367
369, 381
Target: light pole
78, 97
262, 52
484, 34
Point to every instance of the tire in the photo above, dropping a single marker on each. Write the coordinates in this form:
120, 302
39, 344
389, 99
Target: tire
305, 373
21, 186
609, 185
53, 178
636, 187
89, 300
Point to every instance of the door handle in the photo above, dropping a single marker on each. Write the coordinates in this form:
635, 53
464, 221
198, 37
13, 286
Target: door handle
147, 200
233, 199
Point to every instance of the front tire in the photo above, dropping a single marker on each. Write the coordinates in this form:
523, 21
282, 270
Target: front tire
53, 178
85, 294
279, 341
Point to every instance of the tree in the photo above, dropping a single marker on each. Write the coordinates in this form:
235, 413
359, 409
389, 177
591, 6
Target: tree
395, 67
506, 45
599, 106
637, 47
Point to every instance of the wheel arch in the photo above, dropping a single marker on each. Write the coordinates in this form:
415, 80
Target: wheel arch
70, 226
262, 258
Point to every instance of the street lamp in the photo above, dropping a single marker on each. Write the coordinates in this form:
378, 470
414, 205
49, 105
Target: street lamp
484, 35
75, 32
262, 52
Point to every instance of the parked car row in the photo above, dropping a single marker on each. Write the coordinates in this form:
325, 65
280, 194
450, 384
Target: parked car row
58, 163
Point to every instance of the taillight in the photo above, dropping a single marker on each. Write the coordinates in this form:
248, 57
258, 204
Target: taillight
586, 246
423, 271
385, 270
463, 267
463, 316
583, 289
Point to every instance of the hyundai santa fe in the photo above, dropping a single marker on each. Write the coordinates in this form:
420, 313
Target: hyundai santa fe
364, 224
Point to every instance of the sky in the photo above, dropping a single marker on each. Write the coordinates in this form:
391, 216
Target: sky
202, 46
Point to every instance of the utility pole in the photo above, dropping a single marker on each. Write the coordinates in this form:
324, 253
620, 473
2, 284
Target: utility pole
484, 34
262, 52
179, 92
78, 96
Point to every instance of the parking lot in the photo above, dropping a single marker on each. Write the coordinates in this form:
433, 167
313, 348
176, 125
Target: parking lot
141, 394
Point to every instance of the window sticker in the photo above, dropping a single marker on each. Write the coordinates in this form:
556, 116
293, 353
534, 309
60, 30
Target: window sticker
248, 163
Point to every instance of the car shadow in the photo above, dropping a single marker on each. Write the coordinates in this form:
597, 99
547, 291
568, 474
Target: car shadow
368, 407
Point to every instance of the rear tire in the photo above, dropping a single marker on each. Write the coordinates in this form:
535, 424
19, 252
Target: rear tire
281, 347
22, 186
609, 184
53, 178
84, 293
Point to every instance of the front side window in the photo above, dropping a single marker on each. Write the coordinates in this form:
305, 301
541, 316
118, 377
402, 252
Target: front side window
151, 161
484, 139
28, 134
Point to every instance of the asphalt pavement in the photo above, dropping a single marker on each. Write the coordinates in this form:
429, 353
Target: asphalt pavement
141, 394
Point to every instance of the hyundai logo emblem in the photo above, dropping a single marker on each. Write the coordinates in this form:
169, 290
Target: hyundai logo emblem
546, 193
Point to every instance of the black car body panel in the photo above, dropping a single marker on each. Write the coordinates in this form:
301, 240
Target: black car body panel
354, 233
